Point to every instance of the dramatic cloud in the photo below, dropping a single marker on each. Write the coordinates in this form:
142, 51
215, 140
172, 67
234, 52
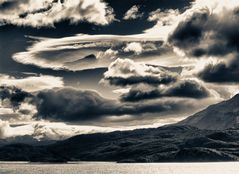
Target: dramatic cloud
125, 72
183, 88
205, 31
82, 52
14, 95
17, 95
146, 82
223, 71
133, 13
73, 105
48, 12
68, 104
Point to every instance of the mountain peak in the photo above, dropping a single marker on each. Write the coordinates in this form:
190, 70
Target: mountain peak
236, 97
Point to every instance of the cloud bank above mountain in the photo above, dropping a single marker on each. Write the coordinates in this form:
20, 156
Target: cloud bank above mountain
108, 63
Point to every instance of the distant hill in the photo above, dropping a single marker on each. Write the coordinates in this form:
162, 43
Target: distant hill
220, 116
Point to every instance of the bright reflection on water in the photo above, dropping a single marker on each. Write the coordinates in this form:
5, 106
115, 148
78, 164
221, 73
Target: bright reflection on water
113, 168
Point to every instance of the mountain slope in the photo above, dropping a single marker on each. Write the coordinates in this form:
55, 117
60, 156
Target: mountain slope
164, 144
220, 116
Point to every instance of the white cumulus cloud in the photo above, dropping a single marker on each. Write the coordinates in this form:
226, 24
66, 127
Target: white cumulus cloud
134, 47
39, 13
133, 13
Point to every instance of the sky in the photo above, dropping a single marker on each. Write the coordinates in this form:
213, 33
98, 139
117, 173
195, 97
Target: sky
84, 66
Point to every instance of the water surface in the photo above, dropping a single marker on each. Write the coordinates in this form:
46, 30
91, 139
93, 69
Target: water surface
114, 168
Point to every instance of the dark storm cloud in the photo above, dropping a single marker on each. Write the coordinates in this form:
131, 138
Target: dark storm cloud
68, 104
221, 72
15, 95
219, 34
125, 72
152, 82
189, 32
135, 95
184, 89
120, 81
187, 88
205, 34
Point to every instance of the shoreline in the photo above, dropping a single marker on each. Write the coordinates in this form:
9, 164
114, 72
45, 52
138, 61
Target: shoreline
102, 162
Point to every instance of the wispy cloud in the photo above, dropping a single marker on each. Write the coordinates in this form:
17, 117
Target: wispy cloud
32, 83
72, 53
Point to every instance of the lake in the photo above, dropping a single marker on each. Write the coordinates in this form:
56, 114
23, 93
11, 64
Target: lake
114, 168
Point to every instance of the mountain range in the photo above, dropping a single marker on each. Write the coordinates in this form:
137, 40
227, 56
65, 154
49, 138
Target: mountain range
209, 135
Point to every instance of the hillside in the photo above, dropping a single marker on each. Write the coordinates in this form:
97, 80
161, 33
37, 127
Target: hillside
164, 144
220, 116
